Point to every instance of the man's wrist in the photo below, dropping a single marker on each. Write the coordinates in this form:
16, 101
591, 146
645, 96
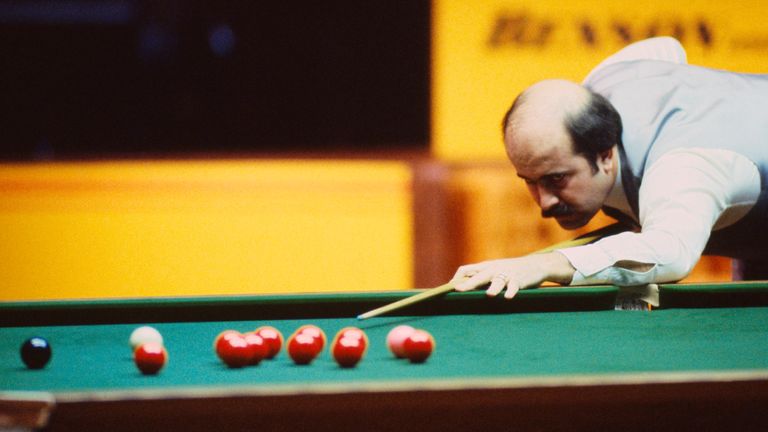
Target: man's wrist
557, 268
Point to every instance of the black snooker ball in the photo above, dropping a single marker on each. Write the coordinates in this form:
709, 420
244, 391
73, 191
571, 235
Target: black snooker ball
35, 352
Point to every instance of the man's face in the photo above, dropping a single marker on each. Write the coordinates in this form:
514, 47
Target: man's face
563, 184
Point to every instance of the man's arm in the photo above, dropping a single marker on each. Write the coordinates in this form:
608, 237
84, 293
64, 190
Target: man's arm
682, 197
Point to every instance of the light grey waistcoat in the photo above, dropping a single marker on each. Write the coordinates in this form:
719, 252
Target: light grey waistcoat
665, 106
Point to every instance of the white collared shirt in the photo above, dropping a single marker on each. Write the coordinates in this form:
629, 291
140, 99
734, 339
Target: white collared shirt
684, 195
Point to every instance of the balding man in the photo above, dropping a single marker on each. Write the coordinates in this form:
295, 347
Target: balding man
678, 152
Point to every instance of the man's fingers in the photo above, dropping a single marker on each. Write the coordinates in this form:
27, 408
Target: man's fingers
470, 283
508, 275
498, 282
512, 289
466, 271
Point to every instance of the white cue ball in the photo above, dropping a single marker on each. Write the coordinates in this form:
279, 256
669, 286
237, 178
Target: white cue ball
145, 334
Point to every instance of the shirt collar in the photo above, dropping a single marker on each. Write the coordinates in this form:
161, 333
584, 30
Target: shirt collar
616, 197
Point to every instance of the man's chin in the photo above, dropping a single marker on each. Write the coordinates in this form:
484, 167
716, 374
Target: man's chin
571, 222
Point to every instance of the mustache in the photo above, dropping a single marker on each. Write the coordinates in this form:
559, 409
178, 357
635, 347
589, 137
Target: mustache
560, 209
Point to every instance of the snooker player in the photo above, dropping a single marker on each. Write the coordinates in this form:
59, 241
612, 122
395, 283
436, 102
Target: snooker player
677, 152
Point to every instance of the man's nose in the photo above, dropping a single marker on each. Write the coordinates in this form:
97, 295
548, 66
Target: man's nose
547, 199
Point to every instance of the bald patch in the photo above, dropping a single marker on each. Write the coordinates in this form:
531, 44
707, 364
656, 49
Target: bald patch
544, 106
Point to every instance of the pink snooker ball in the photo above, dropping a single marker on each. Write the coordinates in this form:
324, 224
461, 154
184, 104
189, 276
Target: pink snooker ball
396, 339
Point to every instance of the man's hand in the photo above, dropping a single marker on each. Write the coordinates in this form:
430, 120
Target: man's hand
514, 274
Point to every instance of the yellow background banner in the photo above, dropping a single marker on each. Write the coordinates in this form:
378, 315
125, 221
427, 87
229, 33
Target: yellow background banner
485, 52
155, 228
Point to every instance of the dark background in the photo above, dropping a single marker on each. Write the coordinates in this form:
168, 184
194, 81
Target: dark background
85, 79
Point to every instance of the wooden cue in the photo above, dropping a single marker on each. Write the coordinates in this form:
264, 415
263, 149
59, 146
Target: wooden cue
448, 287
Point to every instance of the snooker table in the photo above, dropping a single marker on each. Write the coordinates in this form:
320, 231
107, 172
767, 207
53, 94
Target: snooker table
551, 359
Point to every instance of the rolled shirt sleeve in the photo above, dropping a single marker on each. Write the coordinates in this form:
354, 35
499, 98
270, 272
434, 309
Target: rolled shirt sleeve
684, 195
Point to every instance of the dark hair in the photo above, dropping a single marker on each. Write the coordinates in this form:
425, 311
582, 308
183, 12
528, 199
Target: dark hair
594, 129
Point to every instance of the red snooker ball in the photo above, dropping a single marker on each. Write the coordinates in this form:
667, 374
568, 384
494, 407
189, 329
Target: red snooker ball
352, 332
273, 339
234, 351
348, 351
419, 346
302, 348
259, 348
150, 358
316, 332
222, 337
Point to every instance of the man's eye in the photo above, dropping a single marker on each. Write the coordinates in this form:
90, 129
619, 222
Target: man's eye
556, 179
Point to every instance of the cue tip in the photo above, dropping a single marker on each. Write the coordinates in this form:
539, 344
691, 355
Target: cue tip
364, 316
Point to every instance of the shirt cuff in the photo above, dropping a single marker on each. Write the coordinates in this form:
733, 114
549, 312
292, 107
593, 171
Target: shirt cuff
594, 266
588, 259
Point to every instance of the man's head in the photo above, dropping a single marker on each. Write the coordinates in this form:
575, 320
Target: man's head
561, 139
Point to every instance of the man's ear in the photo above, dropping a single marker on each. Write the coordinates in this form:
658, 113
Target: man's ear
605, 159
